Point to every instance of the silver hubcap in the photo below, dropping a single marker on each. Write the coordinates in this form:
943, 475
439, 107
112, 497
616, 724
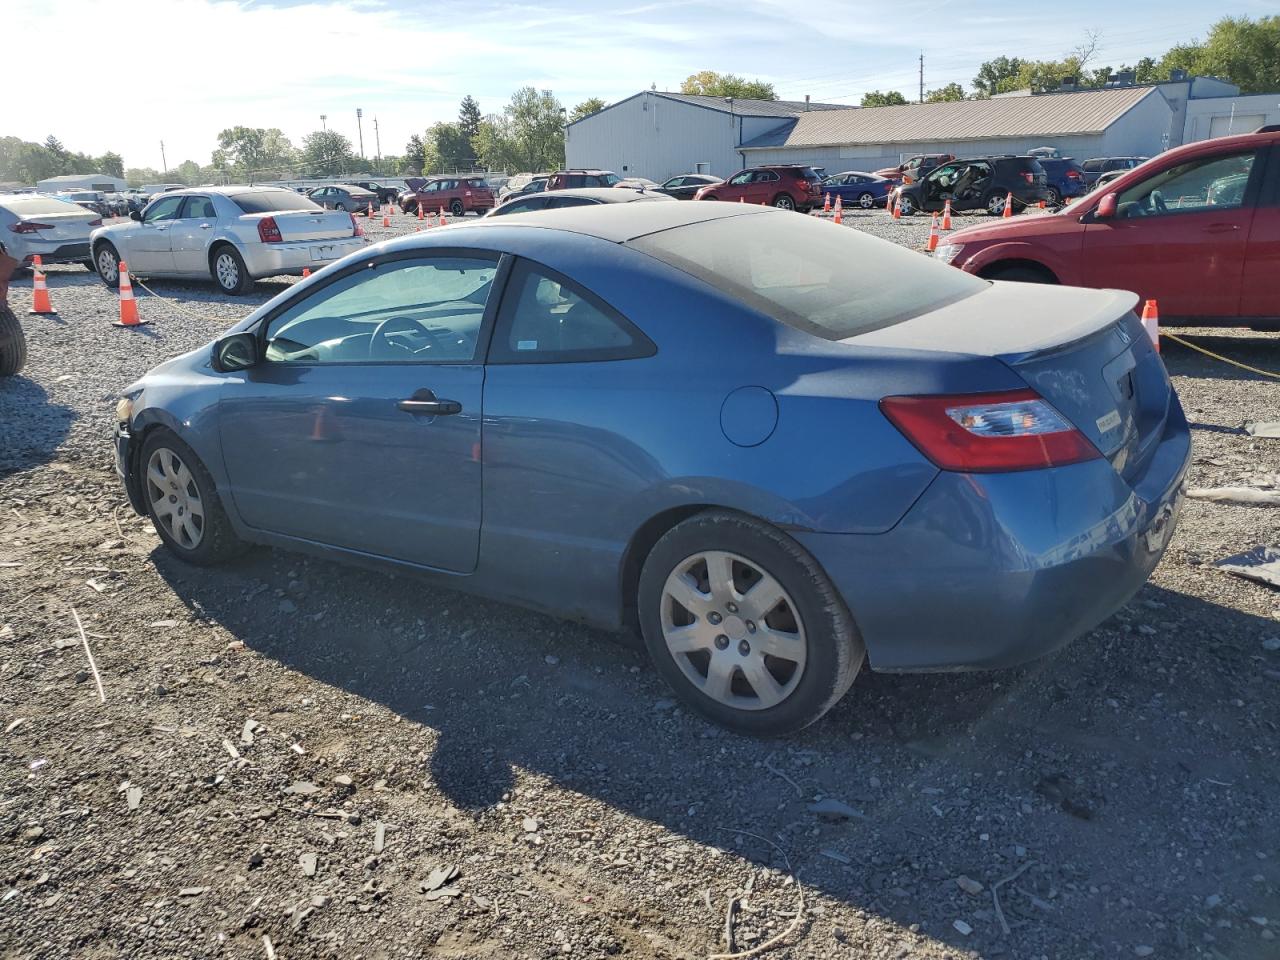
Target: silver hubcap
784, 203
107, 266
866, 201
733, 630
996, 205
175, 499
228, 272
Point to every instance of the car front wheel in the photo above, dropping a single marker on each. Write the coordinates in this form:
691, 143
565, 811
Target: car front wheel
906, 204
107, 262
183, 503
745, 626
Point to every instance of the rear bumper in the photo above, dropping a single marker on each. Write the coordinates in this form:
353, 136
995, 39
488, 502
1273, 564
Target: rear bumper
55, 251
995, 570
273, 259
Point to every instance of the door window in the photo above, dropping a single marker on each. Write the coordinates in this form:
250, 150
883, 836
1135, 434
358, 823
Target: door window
400, 311
431, 187
1210, 183
739, 179
674, 182
166, 208
548, 319
558, 202
765, 176
199, 208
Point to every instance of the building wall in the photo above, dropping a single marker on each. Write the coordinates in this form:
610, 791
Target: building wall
1213, 117
90, 181
649, 136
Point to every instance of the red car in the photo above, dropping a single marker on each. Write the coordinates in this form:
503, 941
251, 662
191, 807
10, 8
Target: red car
1196, 228
913, 168
458, 195
788, 187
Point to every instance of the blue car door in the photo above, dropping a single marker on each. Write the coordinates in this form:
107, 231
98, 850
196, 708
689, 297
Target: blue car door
360, 428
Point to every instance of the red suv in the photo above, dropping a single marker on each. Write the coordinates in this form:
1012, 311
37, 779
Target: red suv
1196, 228
458, 195
913, 168
576, 179
789, 187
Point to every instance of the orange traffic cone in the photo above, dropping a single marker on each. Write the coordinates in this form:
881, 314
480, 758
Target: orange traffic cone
443, 221
128, 305
369, 212
897, 209
839, 216
946, 215
386, 216
1041, 205
932, 245
306, 272
826, 203
421, 212
39, 289
1151, 322
1008, 205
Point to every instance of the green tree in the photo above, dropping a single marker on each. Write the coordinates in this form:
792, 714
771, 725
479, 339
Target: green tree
326, 152
453, 149
111, 163
189, 172
708, 83
137, 176
586, 108
994, 72
254, 152
469, 118
528, 135
1244, 51
877, 99
414, 158
951, 92
58, 155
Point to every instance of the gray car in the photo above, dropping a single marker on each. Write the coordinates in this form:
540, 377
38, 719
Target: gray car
55, 229
581, 197
345, 196
235, 235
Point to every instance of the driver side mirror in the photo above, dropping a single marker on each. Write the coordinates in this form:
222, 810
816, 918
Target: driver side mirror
1106, 208
235, 352
135, 215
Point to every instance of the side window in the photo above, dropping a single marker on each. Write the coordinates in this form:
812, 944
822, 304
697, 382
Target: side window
166, 208
558, 202
421, 310
199, 208
738, 179
675, 182
766, 176
431, 187
1211, 183
546, 318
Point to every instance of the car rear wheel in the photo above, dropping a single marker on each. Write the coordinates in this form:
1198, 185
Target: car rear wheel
107, 262
228, 270
13, 344
866, 200
457, 209
183, 503
1052, 197
783, 201
745, 626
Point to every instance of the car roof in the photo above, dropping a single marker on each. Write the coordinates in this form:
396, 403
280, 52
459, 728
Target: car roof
609, 194
620, 222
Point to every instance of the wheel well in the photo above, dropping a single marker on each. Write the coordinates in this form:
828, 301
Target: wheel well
213, 251
642, 541
992, 271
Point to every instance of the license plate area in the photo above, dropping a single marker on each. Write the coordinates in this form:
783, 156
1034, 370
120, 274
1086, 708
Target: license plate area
322, 252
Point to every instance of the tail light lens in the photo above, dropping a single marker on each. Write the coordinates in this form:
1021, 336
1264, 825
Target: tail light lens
1073, 174
1028, 176
356, 229
989, 432
30, 226
269, 231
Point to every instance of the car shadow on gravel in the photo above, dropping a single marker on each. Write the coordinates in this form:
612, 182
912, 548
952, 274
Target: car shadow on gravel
1106, 767
31, 426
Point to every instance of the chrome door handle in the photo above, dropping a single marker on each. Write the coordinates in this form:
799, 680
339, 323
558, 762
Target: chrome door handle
206, 226
424, 403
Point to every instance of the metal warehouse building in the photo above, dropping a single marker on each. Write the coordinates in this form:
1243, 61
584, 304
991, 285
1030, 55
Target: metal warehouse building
83, 181
658, 135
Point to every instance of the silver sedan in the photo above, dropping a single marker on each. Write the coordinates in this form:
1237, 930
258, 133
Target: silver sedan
55, 229
235, 235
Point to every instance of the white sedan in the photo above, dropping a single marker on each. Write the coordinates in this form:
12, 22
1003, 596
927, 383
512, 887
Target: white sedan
235, 235
57, 230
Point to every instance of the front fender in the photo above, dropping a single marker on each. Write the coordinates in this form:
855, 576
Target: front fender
986, 257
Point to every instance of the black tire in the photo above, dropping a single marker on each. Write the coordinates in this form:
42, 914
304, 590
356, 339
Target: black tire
866, 200
106, 262
907, 205
834, 649
989, 200
227, 268
13, 343
89, 265
457, 209
1052, 197
784, 201
218, 542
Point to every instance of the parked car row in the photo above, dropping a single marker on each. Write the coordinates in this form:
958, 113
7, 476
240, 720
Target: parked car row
458, 194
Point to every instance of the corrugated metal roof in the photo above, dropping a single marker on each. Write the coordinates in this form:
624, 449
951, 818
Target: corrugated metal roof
1052, 114
754, 108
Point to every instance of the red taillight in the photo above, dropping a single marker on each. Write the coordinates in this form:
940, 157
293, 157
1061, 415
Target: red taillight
29, 226
1073, 174
356, 229
96, 223
989, 432
268, 231
1029, 177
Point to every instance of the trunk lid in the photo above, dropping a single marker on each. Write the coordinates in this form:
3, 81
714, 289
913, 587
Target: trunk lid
298, 226
1084, 351
64, 226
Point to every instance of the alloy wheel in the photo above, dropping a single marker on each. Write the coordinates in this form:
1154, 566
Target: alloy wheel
108, 265
733, 630
175, 499
995, 204
866, 201
227, 270
785, 202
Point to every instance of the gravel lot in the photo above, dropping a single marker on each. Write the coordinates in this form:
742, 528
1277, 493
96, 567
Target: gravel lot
326, 762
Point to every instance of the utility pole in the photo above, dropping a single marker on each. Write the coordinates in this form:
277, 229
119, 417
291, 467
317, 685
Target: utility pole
377, 139
360, 128
165, 163
922, 76
323, 125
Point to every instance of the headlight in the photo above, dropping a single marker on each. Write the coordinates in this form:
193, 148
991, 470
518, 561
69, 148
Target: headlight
947, 252
124, 410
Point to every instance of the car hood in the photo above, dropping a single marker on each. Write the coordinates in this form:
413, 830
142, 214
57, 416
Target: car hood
1015, 228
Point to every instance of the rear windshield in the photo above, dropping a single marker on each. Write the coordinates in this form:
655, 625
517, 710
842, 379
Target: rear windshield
269, 201
28, 206
829, 282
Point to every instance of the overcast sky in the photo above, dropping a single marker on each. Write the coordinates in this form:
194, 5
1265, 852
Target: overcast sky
130, 73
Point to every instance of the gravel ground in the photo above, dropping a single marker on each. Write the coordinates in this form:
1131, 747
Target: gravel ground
326, 762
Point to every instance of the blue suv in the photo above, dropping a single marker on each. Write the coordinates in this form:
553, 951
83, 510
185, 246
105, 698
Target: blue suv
1065, 179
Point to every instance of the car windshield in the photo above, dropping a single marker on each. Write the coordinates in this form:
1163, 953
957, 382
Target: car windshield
269, 201
828, 282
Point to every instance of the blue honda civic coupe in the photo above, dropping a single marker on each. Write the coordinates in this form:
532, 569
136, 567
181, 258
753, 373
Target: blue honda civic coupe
773, 446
